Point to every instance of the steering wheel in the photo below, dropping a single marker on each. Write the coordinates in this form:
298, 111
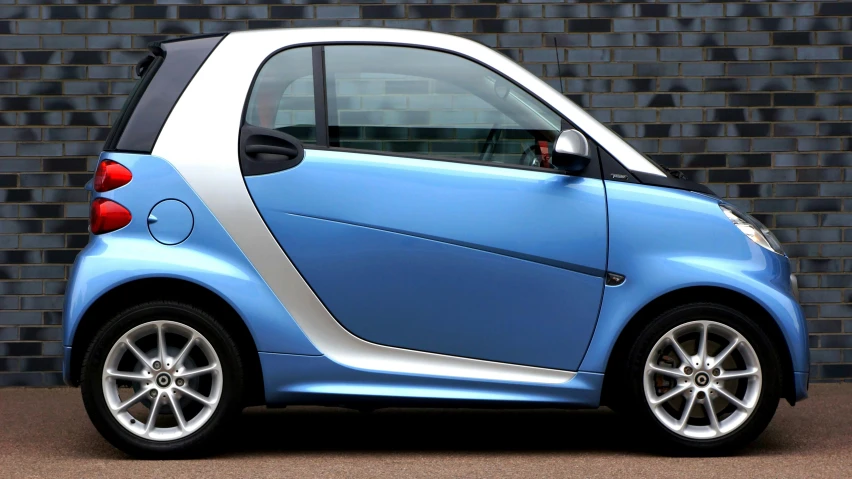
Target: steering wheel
491, 143
529, 156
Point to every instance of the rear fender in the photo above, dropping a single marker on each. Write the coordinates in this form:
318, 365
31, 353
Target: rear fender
208, 258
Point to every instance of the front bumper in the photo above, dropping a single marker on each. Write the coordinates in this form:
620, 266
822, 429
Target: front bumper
794, 285
801, 383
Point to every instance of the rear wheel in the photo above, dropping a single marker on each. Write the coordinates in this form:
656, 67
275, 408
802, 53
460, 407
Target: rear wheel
162, 379
704, 379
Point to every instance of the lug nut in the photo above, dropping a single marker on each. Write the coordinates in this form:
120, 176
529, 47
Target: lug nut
687, 370
179, 381
716, 371
153, 393
700, 394
157, 365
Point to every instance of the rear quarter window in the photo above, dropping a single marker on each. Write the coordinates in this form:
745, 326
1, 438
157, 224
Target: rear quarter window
146, 109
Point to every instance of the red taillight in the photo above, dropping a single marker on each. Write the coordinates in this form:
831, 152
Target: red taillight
110, 175
107, 215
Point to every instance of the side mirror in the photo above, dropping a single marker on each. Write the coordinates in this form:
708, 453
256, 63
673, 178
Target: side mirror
571, 152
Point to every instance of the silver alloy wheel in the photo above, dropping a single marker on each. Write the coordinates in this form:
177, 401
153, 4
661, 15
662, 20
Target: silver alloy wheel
702, 379
167, 376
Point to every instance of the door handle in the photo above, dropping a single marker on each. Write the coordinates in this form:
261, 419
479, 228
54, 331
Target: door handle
272, 150
264, 150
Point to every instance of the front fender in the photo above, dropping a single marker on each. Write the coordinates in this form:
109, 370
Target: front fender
664, 240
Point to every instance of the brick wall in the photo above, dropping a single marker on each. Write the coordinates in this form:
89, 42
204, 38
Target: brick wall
755, 99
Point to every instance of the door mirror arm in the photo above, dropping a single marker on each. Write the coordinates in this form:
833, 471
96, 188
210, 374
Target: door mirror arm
571, 152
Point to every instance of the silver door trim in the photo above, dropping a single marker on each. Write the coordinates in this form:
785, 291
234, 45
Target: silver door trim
200, 139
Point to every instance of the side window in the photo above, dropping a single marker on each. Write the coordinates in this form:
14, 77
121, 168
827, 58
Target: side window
282, 96
425, 102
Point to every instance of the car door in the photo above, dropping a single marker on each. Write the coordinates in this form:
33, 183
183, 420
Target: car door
420, 206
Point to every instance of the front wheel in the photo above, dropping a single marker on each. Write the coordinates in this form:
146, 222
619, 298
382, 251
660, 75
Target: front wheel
704, 379
162, 379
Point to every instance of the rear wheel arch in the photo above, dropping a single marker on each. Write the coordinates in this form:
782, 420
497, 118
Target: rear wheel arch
141, 291
698, 294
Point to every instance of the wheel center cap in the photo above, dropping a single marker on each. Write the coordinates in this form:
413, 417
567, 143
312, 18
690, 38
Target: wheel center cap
163, 380
702, 379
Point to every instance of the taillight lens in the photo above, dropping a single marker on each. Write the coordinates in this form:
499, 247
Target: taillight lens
110, 175
107, 215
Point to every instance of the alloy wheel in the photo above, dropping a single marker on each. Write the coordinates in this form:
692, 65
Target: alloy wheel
702, 380
162, 380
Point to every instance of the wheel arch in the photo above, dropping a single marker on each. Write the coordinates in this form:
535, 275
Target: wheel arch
147, 289
704, 294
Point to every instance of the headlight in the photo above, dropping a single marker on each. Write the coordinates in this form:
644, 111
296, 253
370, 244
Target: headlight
753, 229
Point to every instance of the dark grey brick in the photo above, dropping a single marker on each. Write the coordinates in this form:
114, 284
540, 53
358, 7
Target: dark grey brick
701, 39
431, 11
817, 24
725, 25
635, 116
831, 371
539, 25
247, 12
771, 24
109, 41
836, 219
612, 69
475, 11
22, 379
656, 39
155, 12
611, 11
794, 99
109, 12
452, 26
818, 53
817, 174
612, 40
530, 11
592, 25
634, 25
706, 10
746, 10
195, 12
682, 25
337, 11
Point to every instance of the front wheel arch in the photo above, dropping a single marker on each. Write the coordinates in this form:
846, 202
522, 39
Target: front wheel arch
145, 290
700, 294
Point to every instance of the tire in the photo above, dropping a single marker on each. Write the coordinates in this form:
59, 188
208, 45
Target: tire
218, 382
736, 424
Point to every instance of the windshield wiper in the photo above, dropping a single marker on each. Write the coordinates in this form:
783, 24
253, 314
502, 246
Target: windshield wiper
677, 174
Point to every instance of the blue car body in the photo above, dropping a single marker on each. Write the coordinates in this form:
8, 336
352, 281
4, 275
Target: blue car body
381, 277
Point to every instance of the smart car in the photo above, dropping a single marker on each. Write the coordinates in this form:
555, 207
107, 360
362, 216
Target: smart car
374, 218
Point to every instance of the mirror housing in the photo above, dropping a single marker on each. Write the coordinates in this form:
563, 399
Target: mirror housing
571, 152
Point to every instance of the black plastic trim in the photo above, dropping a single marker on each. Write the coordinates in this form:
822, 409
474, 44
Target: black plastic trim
613, 170
320, 99
671, 182
264, 163
139, 126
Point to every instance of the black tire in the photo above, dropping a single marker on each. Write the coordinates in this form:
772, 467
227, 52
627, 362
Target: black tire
201, 441
665, 440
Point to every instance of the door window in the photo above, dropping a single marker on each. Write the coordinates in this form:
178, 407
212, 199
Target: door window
424, 102
282, 97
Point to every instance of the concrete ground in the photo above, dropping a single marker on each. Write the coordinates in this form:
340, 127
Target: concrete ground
46, 433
